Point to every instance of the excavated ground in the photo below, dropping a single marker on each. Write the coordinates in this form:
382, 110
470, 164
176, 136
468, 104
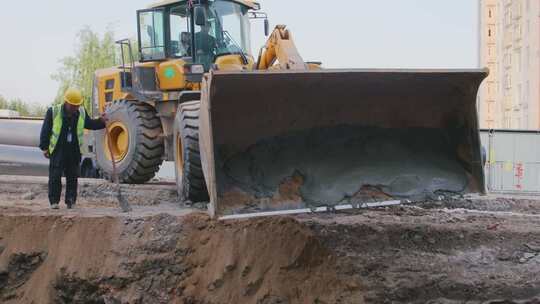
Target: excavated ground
483, 250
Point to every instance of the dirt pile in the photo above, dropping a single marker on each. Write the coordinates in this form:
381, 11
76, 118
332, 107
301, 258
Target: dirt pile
449, 255
166, 259
264, 261
475, 251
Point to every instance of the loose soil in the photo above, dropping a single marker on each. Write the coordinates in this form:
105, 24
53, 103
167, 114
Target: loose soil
481, 250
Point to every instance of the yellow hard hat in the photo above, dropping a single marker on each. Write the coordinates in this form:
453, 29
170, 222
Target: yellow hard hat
73, 97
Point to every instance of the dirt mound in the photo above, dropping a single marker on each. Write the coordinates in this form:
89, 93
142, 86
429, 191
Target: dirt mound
469, 251
263, 261
38, 252
166, 259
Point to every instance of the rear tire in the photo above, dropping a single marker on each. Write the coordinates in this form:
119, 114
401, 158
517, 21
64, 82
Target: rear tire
188, 168
88, 170
144, 149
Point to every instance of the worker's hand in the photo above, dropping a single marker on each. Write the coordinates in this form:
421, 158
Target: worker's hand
46, 153
104, 118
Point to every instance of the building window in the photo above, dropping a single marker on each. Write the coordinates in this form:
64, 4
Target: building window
519, 10
527, 93
507, 81
518, 31
507, 60
507, 122
520, 95
518, 60
507, 17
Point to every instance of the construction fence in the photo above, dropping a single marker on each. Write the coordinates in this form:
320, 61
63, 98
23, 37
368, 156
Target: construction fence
513, 161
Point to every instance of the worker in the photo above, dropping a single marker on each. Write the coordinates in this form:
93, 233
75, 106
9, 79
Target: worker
61, 141
205, 45
185, 44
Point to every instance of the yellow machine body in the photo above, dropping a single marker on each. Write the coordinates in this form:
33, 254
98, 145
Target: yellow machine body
278, 133
171, 75
107, 88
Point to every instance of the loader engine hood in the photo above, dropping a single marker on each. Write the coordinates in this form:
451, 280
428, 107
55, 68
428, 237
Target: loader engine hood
279, 140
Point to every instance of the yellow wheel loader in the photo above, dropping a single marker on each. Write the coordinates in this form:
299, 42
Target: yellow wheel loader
272, 132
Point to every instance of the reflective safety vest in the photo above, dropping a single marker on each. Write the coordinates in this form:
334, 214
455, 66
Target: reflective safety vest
57, 126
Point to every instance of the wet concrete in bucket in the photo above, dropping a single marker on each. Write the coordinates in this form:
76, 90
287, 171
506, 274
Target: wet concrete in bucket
330, 166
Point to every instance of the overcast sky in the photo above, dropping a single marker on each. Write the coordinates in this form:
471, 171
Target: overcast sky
35, 35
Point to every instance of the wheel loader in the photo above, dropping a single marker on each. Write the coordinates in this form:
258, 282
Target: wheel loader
266, 132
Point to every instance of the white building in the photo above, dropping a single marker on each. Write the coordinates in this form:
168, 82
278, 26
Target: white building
509, 47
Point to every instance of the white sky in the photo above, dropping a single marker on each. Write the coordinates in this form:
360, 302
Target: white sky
35, 34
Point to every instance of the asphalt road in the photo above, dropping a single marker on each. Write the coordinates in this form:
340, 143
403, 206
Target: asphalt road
17, 160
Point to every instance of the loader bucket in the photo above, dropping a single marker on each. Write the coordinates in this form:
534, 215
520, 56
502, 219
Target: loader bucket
281, 140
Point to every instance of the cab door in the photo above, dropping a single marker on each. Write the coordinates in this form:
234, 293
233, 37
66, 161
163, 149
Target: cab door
151, 34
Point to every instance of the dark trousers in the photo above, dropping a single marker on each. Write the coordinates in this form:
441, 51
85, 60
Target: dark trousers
70, 168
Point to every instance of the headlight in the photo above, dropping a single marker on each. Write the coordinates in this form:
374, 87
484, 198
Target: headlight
197, 69
194, 72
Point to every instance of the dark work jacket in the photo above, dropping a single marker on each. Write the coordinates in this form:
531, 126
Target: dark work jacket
64, 151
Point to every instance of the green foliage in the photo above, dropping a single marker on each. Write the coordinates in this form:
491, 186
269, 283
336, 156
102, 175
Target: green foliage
23, 108
3, 102
38, 110
92, 53
127, 57
18, 105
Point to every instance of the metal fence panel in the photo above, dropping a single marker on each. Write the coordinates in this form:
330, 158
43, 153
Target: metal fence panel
513, 160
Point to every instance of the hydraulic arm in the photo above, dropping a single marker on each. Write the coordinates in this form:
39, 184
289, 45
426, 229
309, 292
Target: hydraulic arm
280, 47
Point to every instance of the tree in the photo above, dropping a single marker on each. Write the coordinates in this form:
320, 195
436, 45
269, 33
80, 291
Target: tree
28, 109
18, 105
134, 52
37, 110
3, 103
92, 52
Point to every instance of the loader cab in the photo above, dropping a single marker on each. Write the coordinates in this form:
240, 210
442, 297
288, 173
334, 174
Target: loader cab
198, 32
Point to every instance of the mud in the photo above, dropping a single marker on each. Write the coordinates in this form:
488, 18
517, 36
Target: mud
96, 198
476, 250
417, 256
392, 163
164, 259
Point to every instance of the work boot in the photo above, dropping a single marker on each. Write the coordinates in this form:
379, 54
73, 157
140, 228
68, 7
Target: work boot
70, 205
55, 206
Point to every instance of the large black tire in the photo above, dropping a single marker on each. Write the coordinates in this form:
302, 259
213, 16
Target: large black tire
144, 155
88, 169
188, 168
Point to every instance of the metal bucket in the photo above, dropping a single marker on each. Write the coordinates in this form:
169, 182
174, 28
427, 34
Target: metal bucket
278, 140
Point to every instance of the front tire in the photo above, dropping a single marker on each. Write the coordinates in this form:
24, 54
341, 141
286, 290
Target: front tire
137, 142
188, 168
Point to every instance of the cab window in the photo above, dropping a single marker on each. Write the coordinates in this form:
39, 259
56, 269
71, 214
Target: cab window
180, 35
206, 42
151, 35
